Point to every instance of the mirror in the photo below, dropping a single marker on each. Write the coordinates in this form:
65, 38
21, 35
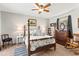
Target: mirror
62, 27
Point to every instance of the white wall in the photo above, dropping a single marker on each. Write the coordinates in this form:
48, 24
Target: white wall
0, 27
43, 23
0, 22
75, 16
62, 16
54, 18
11, 22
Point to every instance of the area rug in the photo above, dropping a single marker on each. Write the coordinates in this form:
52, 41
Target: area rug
22, 51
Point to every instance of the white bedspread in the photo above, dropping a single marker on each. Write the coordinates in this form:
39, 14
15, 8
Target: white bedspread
39, 37
38, 41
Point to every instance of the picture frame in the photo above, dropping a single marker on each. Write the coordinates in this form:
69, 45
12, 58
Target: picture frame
32, 22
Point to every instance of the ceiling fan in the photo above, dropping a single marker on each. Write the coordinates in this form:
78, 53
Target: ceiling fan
42, 7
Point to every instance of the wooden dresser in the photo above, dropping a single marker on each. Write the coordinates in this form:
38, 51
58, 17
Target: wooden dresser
61, 37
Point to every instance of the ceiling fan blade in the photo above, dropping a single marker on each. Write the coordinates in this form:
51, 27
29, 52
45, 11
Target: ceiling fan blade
35, 9
47, 5
46, 10
37, 5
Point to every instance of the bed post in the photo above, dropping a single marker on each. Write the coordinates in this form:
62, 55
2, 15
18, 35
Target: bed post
54, 46
28, 38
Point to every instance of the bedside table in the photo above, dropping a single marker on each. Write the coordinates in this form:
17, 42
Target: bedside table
19, 39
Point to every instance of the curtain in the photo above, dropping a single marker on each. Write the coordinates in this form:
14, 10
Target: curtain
58, 23
69, 27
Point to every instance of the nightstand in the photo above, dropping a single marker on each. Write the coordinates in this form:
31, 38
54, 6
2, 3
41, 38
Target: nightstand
19, 39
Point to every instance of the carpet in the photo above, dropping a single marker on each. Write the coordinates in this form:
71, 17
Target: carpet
22, 51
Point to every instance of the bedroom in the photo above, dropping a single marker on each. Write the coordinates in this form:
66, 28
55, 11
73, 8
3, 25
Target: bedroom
14, 16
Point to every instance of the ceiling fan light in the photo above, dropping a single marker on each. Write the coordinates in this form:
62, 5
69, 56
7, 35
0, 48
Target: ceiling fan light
42, 7
41, 10
42, 3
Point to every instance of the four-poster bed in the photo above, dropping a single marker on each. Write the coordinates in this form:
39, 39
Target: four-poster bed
38, 43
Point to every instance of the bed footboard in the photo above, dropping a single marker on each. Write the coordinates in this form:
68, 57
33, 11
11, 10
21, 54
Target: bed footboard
43, 48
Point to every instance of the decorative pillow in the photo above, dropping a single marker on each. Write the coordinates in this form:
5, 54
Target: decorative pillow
36, 32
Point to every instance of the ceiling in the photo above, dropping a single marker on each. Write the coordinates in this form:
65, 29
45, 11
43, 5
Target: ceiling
26, 8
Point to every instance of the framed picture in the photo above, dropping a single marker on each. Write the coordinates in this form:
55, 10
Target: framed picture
32, 22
